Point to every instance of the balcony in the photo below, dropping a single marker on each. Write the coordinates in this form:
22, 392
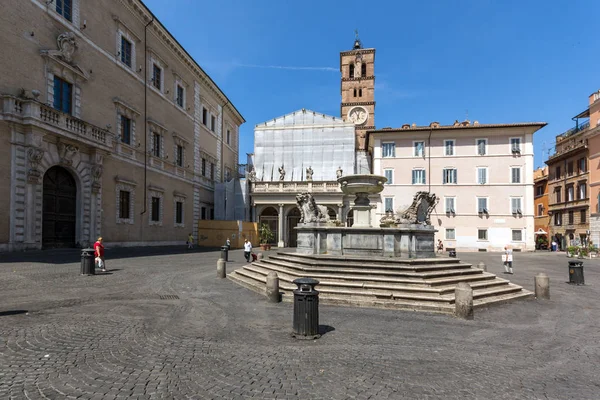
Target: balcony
296, 187
32, 112
566, 149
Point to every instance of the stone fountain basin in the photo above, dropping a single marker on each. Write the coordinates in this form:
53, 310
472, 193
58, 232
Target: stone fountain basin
353, 184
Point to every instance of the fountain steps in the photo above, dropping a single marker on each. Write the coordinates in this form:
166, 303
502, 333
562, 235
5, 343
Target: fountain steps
412, 285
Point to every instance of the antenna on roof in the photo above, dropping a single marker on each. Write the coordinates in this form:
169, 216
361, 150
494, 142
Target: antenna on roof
467, 114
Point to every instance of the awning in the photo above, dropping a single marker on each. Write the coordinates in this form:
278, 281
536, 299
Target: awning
540, 232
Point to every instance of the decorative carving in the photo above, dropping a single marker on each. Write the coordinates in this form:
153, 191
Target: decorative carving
252, 175
281, 173
66, 153
309, 210
96, 172
420, 210
339, 172
309, 174
358, 66
66, 46
34, 155
358, 115
388, 220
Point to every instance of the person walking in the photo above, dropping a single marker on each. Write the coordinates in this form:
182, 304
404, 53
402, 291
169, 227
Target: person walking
440, 246
247, 249
190, 241
99, 254
507, 257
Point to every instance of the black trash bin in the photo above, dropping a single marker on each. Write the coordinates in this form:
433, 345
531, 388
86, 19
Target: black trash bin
224, 253
576, 273
306, 309
452, 253
88, 266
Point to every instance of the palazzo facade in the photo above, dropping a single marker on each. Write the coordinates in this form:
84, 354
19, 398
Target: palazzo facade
107, 127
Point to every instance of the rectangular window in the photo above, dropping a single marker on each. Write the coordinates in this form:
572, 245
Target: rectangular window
482, 147
482, 206
582, 165
539, 190
65, 8
204, 116
558, 195
125, 51
212, 172
515, 145
179, 212
418, 177
124, 199
482, 234
540, 209
558, 219
228, 136
419, 149
558, 172
389, 204
582, 191
515, 205
125, 130
449, 175
180, 96
203, 167
517, 235
63, 95
450, 205
388, 150
156, 76
213, 123
582, 216
570, 168
449, 145
515, 174
179, 156
203, 213
156, 144
570, 193
482, 175
155, 217
389, 174
571, 218
212, 213
450, 233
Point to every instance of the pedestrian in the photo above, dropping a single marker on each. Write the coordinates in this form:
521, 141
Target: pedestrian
247, 249
507, 258
190, 241
99, 254
440, 246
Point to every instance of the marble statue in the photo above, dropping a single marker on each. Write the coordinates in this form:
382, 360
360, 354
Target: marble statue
339, 172
309, 210
309, 174
419, 212
281, 173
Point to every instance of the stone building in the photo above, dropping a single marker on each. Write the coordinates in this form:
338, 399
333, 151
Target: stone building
482, 174
568, 194
594, 163
108, 127
540, 196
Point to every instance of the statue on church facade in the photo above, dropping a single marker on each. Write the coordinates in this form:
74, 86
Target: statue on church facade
281, 173
309, 174
339, 172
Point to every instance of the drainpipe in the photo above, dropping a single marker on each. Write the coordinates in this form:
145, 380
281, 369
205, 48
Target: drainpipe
144, 210
429, 156
222, 157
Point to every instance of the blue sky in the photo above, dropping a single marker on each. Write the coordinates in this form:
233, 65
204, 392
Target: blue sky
500, 61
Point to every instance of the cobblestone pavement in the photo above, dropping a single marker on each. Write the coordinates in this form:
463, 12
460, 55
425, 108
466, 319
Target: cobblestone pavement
160, 324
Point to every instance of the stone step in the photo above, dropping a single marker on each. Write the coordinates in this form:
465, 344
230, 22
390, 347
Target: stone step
453, 280
495, 300
376, 260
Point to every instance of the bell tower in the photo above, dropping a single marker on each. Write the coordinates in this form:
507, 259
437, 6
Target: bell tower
358, 89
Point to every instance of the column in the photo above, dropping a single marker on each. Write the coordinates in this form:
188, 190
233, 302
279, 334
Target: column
280, 227
341, 212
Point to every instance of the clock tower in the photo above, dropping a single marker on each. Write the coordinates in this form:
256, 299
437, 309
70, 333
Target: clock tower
358, 89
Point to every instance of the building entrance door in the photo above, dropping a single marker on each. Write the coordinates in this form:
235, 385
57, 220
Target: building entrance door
59, 209
292, 221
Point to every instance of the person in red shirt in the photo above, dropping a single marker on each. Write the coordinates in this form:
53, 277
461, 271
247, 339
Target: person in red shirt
99, 254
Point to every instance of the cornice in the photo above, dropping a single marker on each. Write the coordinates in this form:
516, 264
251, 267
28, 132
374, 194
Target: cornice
357, 51
362, 78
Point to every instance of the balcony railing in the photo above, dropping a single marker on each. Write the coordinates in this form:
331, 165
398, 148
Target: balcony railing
29, 111
296, 187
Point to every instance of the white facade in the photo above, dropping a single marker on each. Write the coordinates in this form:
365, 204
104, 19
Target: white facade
482, 174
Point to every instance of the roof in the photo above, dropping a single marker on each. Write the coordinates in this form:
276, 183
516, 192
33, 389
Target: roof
408, 128
304, 117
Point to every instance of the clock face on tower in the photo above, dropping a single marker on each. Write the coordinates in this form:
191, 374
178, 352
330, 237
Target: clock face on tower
358, 115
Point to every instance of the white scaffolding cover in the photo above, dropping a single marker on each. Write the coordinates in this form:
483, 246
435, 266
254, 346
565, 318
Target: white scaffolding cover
300, 140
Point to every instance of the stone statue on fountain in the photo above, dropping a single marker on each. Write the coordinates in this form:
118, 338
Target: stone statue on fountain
419, 212
309, 210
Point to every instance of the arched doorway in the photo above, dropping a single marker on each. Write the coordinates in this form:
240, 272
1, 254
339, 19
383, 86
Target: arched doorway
270, 217
59, 209
293, 219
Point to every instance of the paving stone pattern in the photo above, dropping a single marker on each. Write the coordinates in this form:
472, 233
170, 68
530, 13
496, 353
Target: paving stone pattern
112, 336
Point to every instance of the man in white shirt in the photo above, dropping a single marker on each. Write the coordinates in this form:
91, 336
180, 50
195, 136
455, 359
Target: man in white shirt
247, 249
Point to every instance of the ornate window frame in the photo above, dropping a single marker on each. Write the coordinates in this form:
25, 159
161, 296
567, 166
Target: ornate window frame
124, 31
179, 197
126, 110
126, 186
155, 191
178, 140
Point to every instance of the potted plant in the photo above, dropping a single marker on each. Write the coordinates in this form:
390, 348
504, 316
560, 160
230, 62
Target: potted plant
571, 251
266, 236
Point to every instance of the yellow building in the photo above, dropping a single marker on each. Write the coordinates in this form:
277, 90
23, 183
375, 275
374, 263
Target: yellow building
107, 127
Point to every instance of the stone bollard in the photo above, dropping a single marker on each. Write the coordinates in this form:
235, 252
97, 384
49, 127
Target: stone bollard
221, 268
273, 287
463, 301
260, 256
482, 266
542, 286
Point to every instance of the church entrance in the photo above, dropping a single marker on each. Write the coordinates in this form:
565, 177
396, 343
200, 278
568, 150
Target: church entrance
293, 219
59, 209
270, 217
